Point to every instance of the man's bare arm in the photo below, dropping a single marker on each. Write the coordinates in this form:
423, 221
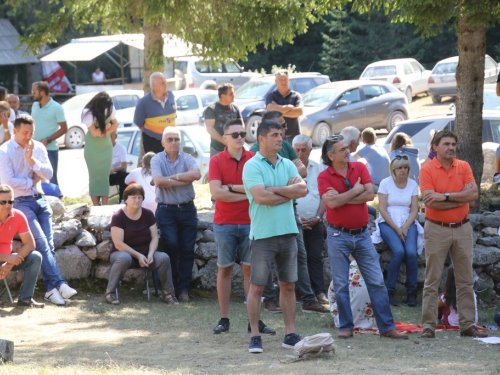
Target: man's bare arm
210, 125
456, 199
280, 108
221, 193
334, 199
365, 196
294, 113
300, 167
296, 188
265, 197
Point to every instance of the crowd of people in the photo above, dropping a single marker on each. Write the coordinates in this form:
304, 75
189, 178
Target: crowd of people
276, 212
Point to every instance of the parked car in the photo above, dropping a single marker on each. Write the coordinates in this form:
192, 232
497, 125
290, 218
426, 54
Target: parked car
331, 107
251, 97
408, 75
191, 104
193, 141
419, 130
123, 100
442, 81
195, 72
490, 99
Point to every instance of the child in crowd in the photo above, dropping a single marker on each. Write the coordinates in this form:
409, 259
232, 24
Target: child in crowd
447, 306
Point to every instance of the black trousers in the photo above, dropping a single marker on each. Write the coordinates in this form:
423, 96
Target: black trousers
151, 144
118, 178
314, 241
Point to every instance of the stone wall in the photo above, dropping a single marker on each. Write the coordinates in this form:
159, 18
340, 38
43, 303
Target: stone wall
83, 242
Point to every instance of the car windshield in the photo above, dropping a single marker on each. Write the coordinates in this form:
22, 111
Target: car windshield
445, 68
319, 97
379, 71
254, 90
491, 100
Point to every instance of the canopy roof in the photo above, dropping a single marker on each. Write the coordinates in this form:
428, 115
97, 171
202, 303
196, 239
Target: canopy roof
11, 52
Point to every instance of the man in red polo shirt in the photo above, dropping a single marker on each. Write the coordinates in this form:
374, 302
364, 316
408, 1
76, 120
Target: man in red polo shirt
13, 221
346, 187
231, 219
448, 186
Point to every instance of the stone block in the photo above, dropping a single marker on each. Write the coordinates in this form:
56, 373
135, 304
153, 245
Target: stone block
491, 219
79, 211
205, 220
56, 205
208, 236
199, 235
91, 252
484, 255
206, 250
104, 249
494, 271
208, 275
489, 232
102, 270
487, 241
73, 263
99, 217
85, 239
475, 220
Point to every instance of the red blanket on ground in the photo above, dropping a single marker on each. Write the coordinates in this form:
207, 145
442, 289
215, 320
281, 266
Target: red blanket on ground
415, 328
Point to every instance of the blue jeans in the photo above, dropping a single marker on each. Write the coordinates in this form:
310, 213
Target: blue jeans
39, 215
340, 245
232, 239
408, 251
178, 227
31, 265
54, 161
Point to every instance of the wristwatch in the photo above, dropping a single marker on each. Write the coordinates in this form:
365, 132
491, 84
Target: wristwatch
447, 197
48, 139
319, 218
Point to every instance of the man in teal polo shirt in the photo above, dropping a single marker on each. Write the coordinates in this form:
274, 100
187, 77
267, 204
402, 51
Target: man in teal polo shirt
271, 183
50, 123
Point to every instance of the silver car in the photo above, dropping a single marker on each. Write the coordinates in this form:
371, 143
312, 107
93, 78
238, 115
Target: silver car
442, 81
331, 107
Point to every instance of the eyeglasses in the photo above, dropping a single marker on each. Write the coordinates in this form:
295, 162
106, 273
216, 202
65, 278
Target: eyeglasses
170, 139
235, 135
335, 138
399, 157
3, 203
348, 184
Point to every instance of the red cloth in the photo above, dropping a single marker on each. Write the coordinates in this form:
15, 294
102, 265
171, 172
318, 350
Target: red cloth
16, 223
228, 170
349, 216
416, 328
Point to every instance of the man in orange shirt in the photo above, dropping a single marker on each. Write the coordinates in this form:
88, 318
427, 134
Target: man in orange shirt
448, 186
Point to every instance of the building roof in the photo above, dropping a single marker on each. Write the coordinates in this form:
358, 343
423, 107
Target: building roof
11, 51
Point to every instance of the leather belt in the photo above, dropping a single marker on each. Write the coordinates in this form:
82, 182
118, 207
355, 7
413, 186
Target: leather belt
177, 205
449, 225
36, 196
351, 232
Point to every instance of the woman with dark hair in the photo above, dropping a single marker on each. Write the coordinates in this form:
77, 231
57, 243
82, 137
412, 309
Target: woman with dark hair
99, 116
135, 240
402, 145
143, 177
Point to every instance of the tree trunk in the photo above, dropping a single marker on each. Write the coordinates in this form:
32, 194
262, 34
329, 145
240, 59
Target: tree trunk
153, 61
471, 46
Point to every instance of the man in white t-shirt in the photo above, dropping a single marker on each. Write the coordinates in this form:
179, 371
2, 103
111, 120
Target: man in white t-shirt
118, 171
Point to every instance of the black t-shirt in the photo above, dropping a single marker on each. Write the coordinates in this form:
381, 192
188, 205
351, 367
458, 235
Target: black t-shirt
294, 98
221, 114
136, 233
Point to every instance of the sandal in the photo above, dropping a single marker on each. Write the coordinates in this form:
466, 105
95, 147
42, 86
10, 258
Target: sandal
111, 298
169, 299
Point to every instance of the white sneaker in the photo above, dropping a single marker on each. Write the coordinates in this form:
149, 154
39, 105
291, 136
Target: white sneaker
66, 291
55, 297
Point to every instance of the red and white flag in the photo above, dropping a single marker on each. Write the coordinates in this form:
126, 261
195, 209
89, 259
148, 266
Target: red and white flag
54, 75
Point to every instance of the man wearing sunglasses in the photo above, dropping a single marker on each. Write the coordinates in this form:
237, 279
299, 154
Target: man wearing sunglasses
218, 114
23, 164
345, 188
271, 184
13, 221
173, 174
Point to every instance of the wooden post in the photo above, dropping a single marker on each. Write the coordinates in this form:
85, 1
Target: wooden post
6, 351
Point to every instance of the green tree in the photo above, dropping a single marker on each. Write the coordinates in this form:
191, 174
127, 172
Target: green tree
470, 19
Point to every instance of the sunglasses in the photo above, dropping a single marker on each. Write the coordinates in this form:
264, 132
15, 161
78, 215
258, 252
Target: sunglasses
335, 138
348, 184
3, 203
235, 135
399, 157
170, 140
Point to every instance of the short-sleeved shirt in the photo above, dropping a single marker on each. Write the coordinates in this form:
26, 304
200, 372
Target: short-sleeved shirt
269, 221
286, 151
294, 98
434, 176
136, 233
47, 119
412, 153
16, 223
349, 216
221, 114
153, 115
89, 119
396, 196
228, 170
119, 155
162, 166
307, 207
378, 162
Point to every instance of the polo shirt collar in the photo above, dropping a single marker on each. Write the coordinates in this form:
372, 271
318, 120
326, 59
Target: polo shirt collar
287, 94
156, 99
244, 154
437, 164
11, 215
262, 157
332, 171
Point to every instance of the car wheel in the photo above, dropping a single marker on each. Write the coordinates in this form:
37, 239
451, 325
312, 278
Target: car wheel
409, 94
436, 99
74, 138
395, 118
252, 125
320, 133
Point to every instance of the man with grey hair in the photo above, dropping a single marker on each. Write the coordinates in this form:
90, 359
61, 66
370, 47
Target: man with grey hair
352, 136
173, 174
155, 112
14, 103
286, 101
311, 209
219, 113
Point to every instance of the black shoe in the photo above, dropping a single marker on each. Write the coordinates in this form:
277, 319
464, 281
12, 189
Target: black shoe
411, 299
30, 303
392, 299
222, 327
265, 330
